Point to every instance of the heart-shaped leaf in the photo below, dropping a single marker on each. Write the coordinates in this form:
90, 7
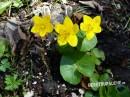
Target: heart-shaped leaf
86, 65
98, 53
87, 45
68, 70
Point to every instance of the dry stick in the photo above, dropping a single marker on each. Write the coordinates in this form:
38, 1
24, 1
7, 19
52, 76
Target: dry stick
126, 25
9, 10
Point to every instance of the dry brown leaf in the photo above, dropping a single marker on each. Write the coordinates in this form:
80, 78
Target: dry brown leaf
12, 32
92, 4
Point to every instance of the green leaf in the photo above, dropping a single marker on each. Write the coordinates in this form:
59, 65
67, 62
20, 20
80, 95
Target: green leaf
4, 65
103, 92
68, 70
87, 45
125, 92
89, 94
17, 3
86, 65
4, 5
66, 50
72, 66
98, 53
12, 82
112, 91
94, 79
105, 77
97, 61
2, 48
81, 34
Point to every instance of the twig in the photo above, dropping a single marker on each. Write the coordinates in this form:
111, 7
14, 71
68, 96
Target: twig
9, 11
126, 25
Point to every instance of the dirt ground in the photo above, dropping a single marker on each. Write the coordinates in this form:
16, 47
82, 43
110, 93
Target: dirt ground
38, 60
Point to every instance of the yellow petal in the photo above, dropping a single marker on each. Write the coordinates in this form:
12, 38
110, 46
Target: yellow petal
49, 28
72, 40
97, 20
68, 22
42, 34
37, 19
61, 40
90, 35
83, 27
35, 29
46, 19
87, 19
59, 28
97, 29
76, 28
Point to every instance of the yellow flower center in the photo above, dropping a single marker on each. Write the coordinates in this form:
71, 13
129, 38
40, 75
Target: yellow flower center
42, 27
65, 34
89, 27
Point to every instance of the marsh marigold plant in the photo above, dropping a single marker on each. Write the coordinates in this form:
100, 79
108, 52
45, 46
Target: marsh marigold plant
42, 25
67, 33
91, 26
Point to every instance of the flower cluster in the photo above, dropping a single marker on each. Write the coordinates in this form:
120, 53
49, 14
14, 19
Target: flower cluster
67, 32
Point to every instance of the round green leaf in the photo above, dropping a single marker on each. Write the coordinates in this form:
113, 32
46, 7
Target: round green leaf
87, 45
98, 53
97, 61
68, 70
86, 65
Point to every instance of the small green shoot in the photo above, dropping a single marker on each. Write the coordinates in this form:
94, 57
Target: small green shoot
6, 4
12, 82
4, 65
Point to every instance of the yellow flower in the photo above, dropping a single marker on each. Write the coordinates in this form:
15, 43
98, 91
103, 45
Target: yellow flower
91, 26
67, 32
42, 25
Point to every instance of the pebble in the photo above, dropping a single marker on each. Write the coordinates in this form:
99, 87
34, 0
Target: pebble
57, 92
40, 73
43, 80
81, 91
26, 83
34, 83
63, 85
74, 94
58, 86
29, 94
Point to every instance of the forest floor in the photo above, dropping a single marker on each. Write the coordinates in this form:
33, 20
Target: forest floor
37, 61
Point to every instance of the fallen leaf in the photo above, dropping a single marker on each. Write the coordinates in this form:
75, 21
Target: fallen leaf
92, 4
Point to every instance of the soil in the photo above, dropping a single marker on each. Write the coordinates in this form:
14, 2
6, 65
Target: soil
38, 59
